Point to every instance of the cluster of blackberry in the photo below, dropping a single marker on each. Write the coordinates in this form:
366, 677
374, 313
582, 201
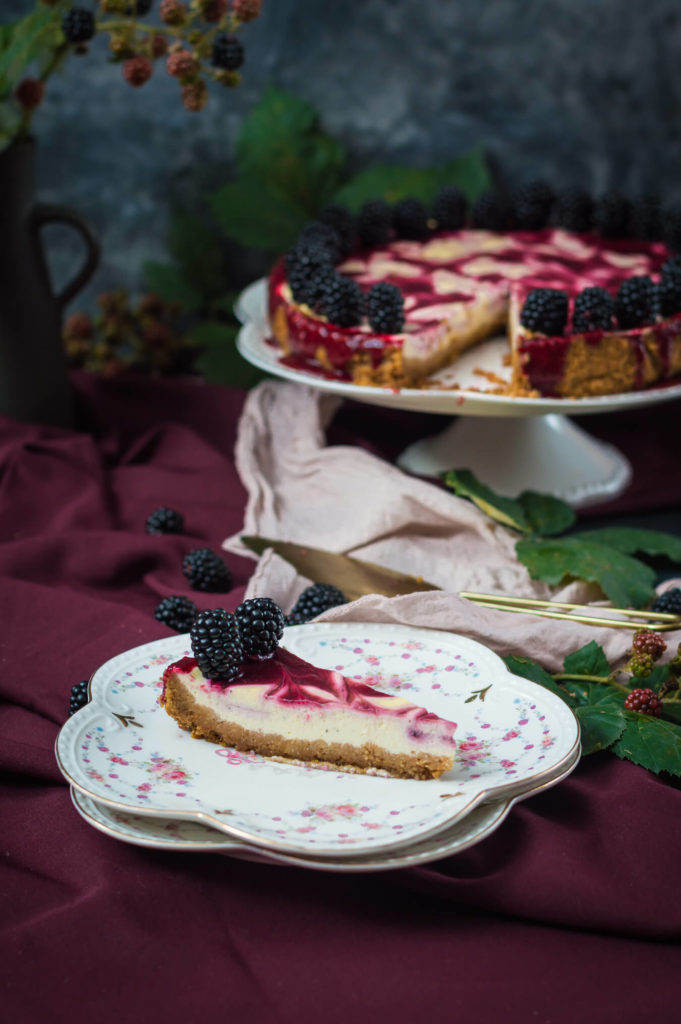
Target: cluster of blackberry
222, 642
638, 301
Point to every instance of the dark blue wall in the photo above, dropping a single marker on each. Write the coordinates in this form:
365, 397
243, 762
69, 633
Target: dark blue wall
572, 90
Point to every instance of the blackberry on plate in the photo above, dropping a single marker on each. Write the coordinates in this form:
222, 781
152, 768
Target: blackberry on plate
449, 208
342, 301
165, 520
308, 267
340, 220
385, 308
594, 310
321, 235
573, 210
545, 311
78, 25
79, 696
207, 571
667, 299
669, 602
374, 223
176, 611
410, 219
532, 206
645, 701
492, 211
634, 302
314, 600
228, 53
613, 215
217, 646
261, 624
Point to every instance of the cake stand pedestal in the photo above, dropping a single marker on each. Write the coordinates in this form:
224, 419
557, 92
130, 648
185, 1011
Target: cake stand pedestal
550, 454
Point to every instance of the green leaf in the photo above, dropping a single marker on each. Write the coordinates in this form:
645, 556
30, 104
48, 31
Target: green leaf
465, 484
257, 215
532, 670
281, 144
197, 252
589, 660
167, 281
219, 361
26, 41
627, 582
393, 182
653, 743
545, 514
600, 726
633, 541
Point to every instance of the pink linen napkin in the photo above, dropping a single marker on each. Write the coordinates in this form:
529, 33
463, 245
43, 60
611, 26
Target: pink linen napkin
347, 500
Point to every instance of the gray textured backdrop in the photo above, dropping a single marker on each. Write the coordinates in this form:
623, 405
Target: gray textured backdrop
572, 90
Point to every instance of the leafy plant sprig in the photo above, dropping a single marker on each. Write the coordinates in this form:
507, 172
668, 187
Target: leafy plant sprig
607, 556
596, 692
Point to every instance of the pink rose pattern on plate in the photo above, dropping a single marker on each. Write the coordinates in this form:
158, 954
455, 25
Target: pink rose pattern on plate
503, 737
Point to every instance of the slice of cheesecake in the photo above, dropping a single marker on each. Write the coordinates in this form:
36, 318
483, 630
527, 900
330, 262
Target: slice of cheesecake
286, 707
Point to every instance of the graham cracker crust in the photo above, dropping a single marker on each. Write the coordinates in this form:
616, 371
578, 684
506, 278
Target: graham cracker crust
203, 723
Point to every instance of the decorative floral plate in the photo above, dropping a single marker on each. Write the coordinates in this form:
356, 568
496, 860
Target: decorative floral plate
513, 737
190, 836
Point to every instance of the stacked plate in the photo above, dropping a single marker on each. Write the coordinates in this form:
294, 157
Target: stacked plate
139, 778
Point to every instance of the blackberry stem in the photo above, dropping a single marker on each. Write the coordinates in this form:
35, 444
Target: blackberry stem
607, 680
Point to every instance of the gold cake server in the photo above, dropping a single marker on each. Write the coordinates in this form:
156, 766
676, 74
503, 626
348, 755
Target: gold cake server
351, 575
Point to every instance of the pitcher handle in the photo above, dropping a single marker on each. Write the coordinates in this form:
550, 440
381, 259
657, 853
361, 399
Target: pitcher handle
44, 213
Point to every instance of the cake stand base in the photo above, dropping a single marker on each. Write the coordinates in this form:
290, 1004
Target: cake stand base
549, 454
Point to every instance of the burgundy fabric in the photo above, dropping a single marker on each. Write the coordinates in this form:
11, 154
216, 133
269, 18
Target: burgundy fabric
569, 911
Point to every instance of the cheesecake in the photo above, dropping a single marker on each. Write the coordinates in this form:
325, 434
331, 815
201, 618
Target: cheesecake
461, 287
285, 707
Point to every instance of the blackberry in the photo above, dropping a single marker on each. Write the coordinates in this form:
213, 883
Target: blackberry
449, 208
671, 228
545, 310
640, 665
385, 308
532, 206
613, 215
78, 25
314, 600
216, 644
373, 223
410, 219
646, 702
668, 293
594, 310
647, 218
343, 223
634, 302
228, 53
308, 268
573, 210
177, 612
668, 602
646, 641
207, 571
261, 624
79, 696
165, 520
492, 211
342, 301
317, 234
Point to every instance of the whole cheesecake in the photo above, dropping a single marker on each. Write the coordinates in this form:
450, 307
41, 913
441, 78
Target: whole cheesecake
461, 286
283, 706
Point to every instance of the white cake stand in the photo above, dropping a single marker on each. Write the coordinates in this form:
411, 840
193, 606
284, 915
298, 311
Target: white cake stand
511, 444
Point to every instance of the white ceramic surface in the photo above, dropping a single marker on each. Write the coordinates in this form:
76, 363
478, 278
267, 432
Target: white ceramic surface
513, 737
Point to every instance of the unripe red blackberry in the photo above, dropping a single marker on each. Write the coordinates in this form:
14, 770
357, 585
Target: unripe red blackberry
158, 45
246, 10
78, 325
182, 64
195, 95
646, 702
137, 71
648, 642
173, 12
29, 93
